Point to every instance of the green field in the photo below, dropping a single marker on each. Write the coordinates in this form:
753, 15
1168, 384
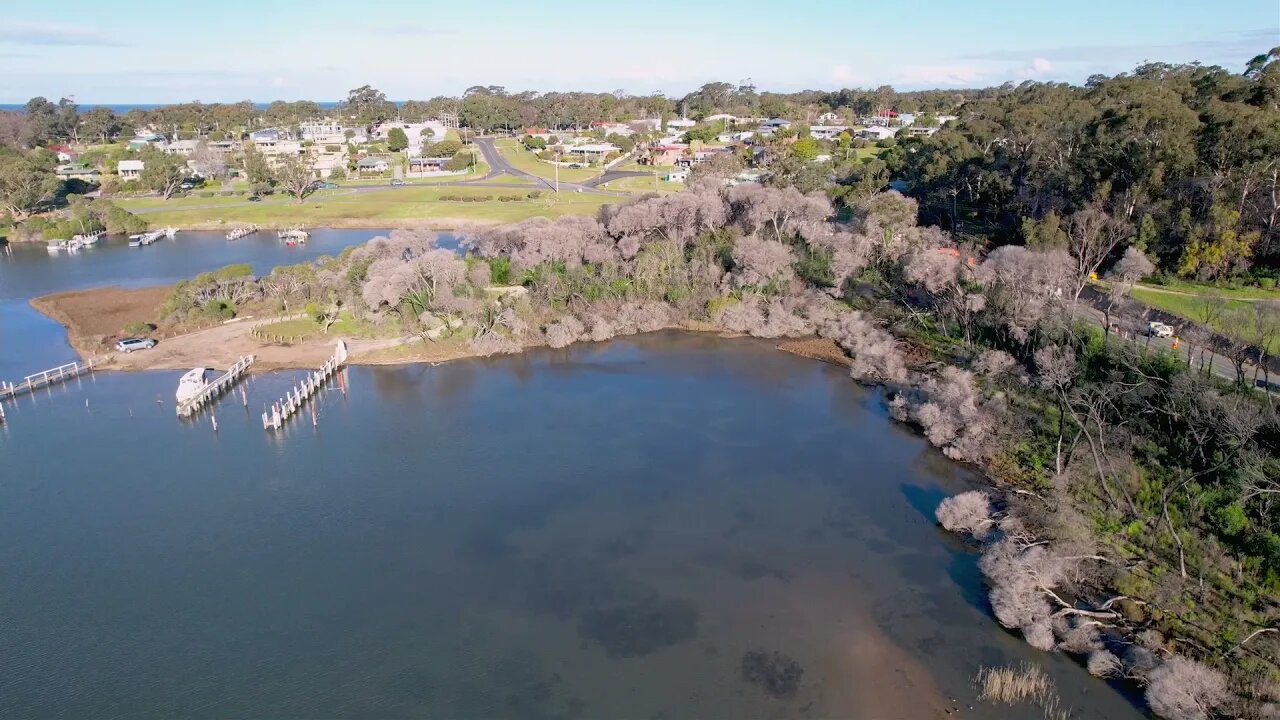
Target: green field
654, 183
347, 207
1226, 291
1194, 307
525, 160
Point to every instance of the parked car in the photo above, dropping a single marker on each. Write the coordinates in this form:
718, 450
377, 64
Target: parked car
576, 166
397, 181
1159, 329
128, 345
255, 198
187, 185
328, 185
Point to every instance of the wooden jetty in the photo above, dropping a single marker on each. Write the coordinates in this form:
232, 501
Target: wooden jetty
242, 231
213, 389
295, 399
51, 376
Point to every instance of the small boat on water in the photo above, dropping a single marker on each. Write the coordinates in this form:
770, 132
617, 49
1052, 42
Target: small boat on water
57, 245
169, 232
135, 241
191, 384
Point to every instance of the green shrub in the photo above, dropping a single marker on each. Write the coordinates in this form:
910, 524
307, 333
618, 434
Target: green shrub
138, 328
1267, 283
205, 194
225, 193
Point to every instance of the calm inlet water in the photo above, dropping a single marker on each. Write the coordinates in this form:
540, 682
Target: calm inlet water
601, 531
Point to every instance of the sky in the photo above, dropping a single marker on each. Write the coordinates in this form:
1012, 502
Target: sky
144, 51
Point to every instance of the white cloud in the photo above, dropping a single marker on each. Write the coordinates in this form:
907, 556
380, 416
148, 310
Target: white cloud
1040, 65
843, 74
277, 81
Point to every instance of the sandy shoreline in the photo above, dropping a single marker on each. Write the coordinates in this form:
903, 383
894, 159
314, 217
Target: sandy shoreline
94, 319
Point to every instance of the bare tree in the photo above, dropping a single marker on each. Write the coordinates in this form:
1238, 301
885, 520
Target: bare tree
1183, 689
1128, 270
969, 512
1092, 236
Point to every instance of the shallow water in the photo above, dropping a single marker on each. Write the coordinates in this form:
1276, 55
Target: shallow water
29, 342
601, 531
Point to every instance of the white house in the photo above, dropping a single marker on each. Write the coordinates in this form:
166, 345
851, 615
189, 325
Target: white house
726, 118
921, 131
828, 118
877, 133
592, 151
681, 124
944, 119
181, 147
129, 169
827, 132
677, 175
279, 147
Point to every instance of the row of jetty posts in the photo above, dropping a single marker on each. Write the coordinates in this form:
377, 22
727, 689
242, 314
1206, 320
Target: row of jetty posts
44, 378
272, 419
296, 398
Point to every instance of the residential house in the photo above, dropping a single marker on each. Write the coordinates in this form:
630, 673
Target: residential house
681, 175
278, 147
592, 151
77, 171
129, 169
726, 118
944, 119
267, 135
646, 124
828, 118
775, 124
373, 164
224, 147
905, 119
613, 128
667, 153
917, 131
181, 147
827, 132
326, 164
423, 165
680, 124
143, 141
877, 132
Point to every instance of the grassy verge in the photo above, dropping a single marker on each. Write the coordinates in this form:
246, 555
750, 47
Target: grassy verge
525, 160
1235, 292
392, 205
308, 328
654, 183
1196, 308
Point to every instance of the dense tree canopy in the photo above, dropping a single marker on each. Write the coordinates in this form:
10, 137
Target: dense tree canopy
1188, 155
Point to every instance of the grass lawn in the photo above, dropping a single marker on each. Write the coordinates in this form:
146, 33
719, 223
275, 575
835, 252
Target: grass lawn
303, 328
1193, 307
525, 160
515, 181
339, 207
1226, 291
644, 184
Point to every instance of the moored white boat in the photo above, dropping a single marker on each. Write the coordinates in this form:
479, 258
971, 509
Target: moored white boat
191, 384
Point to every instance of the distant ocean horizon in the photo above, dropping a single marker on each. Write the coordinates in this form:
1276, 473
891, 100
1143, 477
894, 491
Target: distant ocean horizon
121, 108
